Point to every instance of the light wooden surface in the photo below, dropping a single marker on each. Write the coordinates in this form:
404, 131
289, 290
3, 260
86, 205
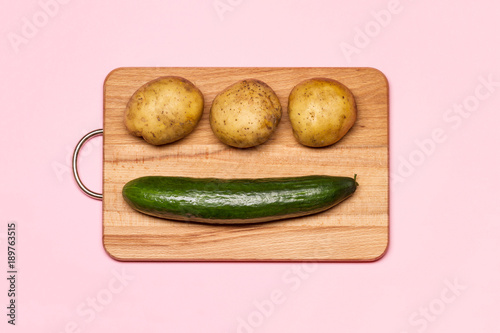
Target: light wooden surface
355, 230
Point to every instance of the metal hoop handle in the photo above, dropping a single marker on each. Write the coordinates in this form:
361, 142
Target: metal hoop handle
82, 141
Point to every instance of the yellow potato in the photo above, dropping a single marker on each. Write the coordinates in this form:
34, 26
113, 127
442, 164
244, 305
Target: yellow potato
164, 110
245, 114
321, 111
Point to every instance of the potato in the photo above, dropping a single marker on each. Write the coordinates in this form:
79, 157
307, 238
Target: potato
321, 111
245, 114
164, 110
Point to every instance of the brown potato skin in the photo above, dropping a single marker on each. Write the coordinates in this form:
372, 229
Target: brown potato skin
321, 111
245, 114
164, 110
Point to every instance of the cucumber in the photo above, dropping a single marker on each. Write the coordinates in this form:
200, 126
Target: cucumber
236, 201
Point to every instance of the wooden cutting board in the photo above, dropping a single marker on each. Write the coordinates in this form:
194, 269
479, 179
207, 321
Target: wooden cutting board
355, 230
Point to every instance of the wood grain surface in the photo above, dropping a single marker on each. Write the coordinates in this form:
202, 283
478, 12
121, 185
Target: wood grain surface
355, 230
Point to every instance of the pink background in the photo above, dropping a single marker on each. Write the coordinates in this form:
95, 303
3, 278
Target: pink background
442, 269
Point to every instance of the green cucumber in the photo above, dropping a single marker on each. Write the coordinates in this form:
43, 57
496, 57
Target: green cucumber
230, 201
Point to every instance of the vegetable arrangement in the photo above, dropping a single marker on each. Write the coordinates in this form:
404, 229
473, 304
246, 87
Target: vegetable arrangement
243, 115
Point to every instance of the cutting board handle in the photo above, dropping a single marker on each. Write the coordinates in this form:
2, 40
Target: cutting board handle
90, 135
